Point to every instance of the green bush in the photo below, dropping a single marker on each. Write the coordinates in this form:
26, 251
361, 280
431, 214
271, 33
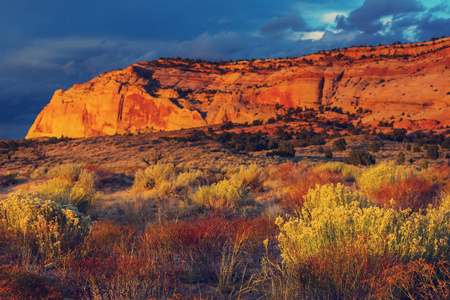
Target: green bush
401, 158
340, 144
417, 149
42, 229
359, 157
433, 152
376, 146
284, 150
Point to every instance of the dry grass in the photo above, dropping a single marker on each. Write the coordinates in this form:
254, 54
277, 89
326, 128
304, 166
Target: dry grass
193, 226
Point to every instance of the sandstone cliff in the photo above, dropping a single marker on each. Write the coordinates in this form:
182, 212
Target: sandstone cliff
408, 81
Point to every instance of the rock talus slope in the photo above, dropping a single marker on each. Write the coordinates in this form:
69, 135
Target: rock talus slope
412, 81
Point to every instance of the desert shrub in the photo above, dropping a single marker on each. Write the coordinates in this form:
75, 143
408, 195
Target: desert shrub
284, 150
340, 144
438, 177
250, 177
17, 284
126, 269
69, 172
213, 249
141, 210
306, 138
39, 172
334, 213
222, 197
359, 157
153, 176
189, 179
288, 173
335, 218
349, 172
401, 158
295, 198
42, 229
244, 141
87, 180
328, 153
8, 178
411, 192
433, 152
413, 280
373, 178
156, 262
396, 134
376, 146
65, 192
417, 148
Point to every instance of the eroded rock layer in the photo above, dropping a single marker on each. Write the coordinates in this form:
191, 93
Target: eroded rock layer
411, 81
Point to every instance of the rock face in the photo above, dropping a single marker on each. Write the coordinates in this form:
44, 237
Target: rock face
408, 82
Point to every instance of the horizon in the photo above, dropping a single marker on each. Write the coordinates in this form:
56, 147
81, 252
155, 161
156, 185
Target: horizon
54, 47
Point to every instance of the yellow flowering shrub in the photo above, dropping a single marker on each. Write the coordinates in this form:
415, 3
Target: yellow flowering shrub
335, 214
42, 229
374, 177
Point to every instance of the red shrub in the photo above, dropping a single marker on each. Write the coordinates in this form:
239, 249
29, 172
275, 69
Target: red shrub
297, 190
412, 192
341, 271
290, 173
413, 280
157, 261
201, 243
16, 284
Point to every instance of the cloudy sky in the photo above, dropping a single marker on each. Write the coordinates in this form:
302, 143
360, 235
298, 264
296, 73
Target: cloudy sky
52, 44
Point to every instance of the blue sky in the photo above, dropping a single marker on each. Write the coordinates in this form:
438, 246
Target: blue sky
49, 44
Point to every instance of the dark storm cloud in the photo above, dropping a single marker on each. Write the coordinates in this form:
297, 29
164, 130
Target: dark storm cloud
21, 101
293, 21
433, 27
367, 17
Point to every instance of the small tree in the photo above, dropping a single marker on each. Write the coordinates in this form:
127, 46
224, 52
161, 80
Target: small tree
340, 144
328, 153
401, 158
359, 157
376, 146
433, 152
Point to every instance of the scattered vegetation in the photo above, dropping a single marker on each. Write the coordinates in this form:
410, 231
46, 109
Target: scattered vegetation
290, 213
359, 158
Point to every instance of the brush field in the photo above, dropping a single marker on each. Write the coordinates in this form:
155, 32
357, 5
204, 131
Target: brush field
267, 211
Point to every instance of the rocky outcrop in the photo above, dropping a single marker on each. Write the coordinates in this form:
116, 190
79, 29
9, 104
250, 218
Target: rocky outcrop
409, 82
